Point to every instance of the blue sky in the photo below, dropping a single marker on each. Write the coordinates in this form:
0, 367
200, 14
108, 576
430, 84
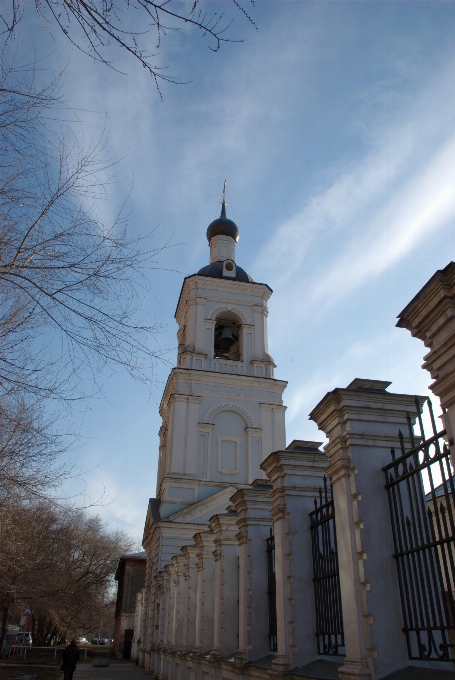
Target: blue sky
334, 127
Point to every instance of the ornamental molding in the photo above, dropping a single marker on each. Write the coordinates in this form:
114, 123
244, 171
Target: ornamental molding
192, 284
227, 308
228, 406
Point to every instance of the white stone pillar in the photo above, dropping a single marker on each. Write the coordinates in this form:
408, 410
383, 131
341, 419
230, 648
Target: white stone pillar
162, 596
296, 475
260, 321
209, 325
192, 433
225, 625
179, 602
199, 340
247, 346
254, 524
273, 428
189, 600
160, 665
430, 316
205, 592
362, 423
176, 437
169, 615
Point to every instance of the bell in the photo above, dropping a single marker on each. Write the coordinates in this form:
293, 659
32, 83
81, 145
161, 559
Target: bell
226, 339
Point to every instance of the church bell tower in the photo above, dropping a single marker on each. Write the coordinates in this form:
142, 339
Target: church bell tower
222, 408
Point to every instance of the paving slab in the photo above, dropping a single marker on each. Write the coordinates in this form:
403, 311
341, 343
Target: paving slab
115, 671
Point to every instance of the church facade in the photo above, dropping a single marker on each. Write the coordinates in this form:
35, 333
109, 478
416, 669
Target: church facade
265, 560
222, 415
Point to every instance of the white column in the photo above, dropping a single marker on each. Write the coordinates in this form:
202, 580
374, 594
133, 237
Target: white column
296, 476
225, 625
199, 340
179, 580
176, 437
209, 332
169, 615
247, 346
273, 428
362, 423
192, 436
205, 592
189, 600
254, 524
259, 331
254, 453
162, 604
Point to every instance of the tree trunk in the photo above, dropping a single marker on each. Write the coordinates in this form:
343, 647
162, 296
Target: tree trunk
4, 625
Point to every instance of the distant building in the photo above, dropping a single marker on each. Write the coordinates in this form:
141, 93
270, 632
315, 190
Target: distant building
130, 576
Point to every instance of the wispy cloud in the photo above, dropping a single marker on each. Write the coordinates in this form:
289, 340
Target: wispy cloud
376, 211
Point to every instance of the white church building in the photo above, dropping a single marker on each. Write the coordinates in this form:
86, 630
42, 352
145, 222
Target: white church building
265, 560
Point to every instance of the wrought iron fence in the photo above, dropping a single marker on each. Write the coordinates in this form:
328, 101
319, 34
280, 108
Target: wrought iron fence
421, 493
271, 591
327, 593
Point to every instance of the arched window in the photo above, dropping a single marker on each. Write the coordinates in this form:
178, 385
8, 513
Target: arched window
227, 343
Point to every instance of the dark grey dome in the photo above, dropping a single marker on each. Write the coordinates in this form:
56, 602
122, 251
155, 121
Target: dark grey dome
223, 226
215, 270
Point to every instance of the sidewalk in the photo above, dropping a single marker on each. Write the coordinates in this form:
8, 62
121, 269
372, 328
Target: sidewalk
115, 671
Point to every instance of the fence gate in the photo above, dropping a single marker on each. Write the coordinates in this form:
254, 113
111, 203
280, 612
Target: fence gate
271, 591
420, 487
327, 594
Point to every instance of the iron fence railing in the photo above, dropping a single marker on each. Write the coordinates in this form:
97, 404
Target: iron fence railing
327, 593
421, 494
271, 592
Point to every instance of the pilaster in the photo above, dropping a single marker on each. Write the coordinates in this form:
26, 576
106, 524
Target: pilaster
296, 476
205, 592
189, 600
226, 610
169, 613
254, 523
179, 602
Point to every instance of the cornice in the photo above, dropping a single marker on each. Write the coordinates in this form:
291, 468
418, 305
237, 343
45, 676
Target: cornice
249, 499
226, 285
204, 539
222, 523
432, 306
281, 463
342, 404
194, 379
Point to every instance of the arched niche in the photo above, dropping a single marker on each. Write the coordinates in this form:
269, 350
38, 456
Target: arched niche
228, 341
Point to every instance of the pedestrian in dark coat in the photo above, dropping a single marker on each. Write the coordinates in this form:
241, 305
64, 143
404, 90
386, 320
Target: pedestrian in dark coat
70, 657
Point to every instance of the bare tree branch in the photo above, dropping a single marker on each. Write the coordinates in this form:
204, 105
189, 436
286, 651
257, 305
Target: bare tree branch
95, 26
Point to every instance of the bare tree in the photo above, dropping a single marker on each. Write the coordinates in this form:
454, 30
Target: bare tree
60, 560
67, 280
94, 26
30, 447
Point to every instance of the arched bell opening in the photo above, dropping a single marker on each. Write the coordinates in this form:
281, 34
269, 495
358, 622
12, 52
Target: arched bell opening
227, 341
